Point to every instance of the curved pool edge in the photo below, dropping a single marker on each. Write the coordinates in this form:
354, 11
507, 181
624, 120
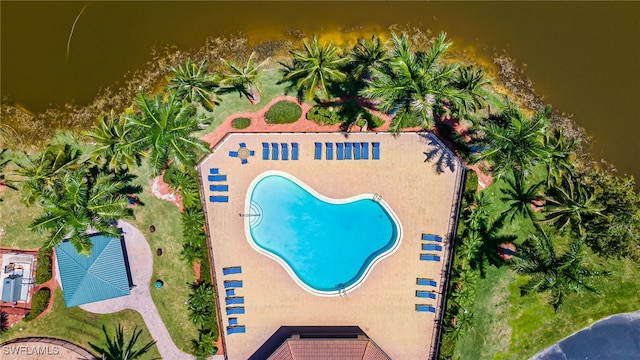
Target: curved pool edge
365, 274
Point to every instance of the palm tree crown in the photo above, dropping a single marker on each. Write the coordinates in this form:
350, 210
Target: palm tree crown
116, 349
314, 68
557, 274
519, 197
243, 79
514, 141
415, 85
78, 202
194, 84
117, 144
165, 129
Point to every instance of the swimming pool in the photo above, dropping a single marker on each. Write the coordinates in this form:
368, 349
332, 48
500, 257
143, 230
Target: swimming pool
328, 246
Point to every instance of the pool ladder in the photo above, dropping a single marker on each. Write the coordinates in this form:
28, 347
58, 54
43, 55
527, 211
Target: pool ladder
255, 215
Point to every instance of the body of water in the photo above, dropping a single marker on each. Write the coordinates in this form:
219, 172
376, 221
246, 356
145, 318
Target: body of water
584, 57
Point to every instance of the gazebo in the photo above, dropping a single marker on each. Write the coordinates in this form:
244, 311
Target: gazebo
105, 274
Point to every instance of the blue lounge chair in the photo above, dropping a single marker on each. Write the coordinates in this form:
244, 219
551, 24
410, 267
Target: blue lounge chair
233, 153
251, 152
232, 270
243, 145
221, 199
329, 151
294, 151
231, 284
347, 151
235, 310
274, 151
431, 247
235, 330
285, 151
233, 321
426, 282
356, 151
217, 177
376, 150
365, 151
214, 171
265, 151
429, 257
340, 151
318, 154
219, 187
238, 300
230, 292
425, 308
425, 294
430, 237
244, 161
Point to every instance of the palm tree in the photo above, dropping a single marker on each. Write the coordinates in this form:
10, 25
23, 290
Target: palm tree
314, 68
78, 202
243, 80
471, 81
415, 86
194, 84
561, 161
514, 141
520, 198
4, 322
41, 171
367, 55
117, 143
571, 204
553, 273
165, 129
201, 303
116, 349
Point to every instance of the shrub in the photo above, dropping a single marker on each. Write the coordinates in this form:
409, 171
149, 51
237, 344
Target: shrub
240, 123
323, 115
38, 304
283, 112
43, 270
375, 122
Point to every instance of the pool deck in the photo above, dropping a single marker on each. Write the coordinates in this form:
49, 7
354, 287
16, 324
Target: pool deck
384, 305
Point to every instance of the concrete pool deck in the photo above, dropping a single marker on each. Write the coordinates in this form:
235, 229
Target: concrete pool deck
424, 200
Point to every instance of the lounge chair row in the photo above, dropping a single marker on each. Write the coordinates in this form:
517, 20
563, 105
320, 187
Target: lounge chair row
232, 270
425, 308
429, 257
280, 150
344, 151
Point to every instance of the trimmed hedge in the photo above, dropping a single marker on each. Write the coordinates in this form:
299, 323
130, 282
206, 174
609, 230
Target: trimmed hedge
43, 269
240, 123
283, 112
39, 303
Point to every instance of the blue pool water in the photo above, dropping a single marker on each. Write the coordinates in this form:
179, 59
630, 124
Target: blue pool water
329, 245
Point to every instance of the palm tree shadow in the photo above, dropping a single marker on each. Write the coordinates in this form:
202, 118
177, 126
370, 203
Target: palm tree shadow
489, 253
442, 157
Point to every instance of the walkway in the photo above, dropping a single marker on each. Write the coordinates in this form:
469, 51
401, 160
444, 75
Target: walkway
140, 297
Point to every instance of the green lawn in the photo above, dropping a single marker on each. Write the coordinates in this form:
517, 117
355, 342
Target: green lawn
508, 326
15, 217
233, 103
79, 326
170, 267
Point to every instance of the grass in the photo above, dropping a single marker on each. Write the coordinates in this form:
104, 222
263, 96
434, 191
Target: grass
240, 123
79, 326
15, 220
233, 103
170, 267
283, 112
509, 326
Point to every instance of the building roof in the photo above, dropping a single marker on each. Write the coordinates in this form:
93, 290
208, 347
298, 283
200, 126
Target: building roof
100, 276
329, 349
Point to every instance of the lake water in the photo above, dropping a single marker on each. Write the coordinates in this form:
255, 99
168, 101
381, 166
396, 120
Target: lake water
583, 56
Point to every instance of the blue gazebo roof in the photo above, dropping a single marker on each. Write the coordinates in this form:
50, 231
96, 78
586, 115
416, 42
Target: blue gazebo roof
102, 275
